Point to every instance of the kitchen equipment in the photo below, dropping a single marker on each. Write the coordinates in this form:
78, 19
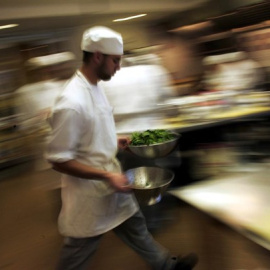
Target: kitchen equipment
149, 183
157, 150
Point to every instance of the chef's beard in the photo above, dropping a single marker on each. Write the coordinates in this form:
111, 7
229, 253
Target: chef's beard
102, 73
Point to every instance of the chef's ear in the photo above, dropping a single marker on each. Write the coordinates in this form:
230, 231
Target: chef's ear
98, 57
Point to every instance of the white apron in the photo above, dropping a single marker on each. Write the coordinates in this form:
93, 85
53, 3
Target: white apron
92, 207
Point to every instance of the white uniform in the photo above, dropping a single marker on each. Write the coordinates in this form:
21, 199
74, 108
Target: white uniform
147, 87
33, 105
83, 129
36, 100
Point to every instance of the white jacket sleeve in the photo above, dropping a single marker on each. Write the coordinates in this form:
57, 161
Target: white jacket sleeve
66, 132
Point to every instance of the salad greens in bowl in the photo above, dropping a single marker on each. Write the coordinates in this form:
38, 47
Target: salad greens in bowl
154, 143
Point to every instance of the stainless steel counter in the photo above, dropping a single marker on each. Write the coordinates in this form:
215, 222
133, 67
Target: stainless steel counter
239, 199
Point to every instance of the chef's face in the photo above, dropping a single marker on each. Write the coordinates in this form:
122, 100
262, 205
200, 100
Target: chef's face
108, 66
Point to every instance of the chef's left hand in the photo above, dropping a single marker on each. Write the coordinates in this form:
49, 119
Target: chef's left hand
123, 142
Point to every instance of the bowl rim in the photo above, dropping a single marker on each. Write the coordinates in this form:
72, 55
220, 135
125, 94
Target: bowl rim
151, 167
154, 144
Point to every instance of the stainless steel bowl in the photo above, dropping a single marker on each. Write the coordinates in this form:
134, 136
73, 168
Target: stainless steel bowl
157, 150
149, 183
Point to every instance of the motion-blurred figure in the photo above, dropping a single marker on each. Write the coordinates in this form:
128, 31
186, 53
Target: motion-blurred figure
232, 71
148, 84
47, 76
83, 146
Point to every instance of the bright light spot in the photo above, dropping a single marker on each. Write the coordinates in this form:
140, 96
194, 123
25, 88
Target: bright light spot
129, 18
8, 26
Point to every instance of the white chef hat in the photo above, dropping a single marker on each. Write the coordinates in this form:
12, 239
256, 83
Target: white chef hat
102, 39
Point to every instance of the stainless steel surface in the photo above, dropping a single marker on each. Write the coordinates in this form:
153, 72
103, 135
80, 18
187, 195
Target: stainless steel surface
240, 199
149, 183
157, 150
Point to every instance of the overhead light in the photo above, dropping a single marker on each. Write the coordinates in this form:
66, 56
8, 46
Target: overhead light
129, 18
8, 26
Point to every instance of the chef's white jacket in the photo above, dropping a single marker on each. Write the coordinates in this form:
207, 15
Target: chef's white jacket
83, 129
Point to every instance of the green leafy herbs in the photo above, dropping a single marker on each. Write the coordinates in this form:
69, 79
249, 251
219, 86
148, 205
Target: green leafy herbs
151, 137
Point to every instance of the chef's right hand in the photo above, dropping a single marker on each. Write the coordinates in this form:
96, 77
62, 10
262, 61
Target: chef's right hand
119, 182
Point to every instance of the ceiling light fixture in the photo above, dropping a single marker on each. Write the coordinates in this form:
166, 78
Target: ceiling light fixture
129, 18
8, 26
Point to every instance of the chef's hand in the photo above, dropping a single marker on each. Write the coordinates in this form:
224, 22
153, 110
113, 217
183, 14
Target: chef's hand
123, 142
119, 182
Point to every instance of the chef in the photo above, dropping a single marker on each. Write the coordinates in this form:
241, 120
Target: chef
232, 71
34, 100
83, 147
148, 84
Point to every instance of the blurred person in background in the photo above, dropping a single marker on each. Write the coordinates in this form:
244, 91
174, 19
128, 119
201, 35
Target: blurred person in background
234, 71
34, 101
149, 85
83, 146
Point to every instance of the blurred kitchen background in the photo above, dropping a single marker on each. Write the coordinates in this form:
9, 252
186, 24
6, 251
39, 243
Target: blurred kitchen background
198, 67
